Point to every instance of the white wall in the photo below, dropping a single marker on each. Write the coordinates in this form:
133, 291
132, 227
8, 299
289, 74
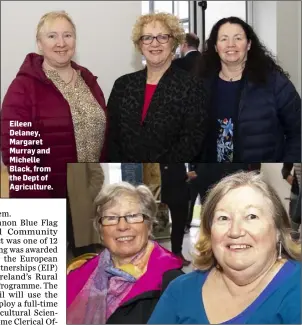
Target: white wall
264, 22
112, 172
272, 173
278, 25
103, 36
289, 24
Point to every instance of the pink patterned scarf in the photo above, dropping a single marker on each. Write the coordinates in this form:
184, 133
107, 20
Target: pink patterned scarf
106, 288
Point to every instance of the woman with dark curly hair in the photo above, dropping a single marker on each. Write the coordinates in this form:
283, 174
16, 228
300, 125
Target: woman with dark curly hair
255, 109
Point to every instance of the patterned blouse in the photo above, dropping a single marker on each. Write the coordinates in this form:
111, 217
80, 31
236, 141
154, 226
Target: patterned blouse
89, 120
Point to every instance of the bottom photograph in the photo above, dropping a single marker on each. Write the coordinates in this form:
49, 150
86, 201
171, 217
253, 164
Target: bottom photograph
183, 243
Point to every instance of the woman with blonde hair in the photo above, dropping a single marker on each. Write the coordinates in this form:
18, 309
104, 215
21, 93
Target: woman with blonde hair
156, 114
60, 109
248, 265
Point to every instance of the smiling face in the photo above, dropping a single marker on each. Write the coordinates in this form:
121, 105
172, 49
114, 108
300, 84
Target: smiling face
156, 53
57, 43
232, 45
124, 240
243, 233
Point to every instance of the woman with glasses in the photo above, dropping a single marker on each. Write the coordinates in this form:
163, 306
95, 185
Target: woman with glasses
124, 282
156, 114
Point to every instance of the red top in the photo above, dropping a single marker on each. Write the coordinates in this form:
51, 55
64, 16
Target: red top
150, 89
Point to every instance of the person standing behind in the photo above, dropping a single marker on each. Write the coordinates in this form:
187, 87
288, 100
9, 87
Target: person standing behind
151, 177
157, 114
294, 179
189, 52
175, 193
84, 182
60, 100
255, 108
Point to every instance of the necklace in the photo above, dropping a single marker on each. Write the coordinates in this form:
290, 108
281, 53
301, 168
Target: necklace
67, 83
228, 78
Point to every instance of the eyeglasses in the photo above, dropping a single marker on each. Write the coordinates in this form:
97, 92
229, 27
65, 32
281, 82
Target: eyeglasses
161, 38
114, 220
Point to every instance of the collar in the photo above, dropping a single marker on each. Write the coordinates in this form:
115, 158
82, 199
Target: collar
190, 52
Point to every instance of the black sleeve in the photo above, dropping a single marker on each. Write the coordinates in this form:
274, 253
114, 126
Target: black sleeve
169, 276
288, 104
286, 169
113, 113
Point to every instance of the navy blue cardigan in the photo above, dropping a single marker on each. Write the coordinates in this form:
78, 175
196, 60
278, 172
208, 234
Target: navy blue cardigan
268, 122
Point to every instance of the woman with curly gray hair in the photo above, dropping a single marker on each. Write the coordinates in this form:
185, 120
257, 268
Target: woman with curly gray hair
124, 282
156, 114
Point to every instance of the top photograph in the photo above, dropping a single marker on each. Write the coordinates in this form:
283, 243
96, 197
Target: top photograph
149, 81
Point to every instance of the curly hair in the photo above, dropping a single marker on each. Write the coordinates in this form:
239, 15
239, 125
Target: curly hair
260, 61
171, 22
204, 257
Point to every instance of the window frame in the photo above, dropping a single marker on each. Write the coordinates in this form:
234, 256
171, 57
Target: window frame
183, 20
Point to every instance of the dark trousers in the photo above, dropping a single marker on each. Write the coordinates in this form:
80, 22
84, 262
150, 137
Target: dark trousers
179, 215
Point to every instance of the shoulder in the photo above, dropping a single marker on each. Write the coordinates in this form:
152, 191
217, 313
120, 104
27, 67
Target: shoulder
185, 79
126, 78
77, 278
280, 82
187, 282
179, 62
20, 82
19, 89
289, 295
82, 266
292, 274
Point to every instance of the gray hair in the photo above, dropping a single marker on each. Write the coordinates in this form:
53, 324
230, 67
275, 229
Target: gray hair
112, 192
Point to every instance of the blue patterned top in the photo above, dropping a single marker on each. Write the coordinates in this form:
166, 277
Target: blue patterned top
224, 103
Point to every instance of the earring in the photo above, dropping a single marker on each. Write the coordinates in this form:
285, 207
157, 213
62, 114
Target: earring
280, 251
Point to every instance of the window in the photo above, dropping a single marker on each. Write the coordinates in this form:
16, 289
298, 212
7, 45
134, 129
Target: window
145, 7
178, 8
182, 9
221, 9
164, 6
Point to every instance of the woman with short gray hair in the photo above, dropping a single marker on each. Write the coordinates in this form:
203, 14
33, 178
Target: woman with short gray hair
124, 282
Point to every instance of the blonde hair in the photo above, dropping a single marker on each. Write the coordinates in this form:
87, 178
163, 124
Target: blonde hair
51, 17
204, 258
171, 22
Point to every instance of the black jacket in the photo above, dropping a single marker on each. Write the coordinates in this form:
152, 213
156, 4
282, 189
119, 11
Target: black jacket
175, 124
286, 171
188, 62
267, 123
174, 185
139, 309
